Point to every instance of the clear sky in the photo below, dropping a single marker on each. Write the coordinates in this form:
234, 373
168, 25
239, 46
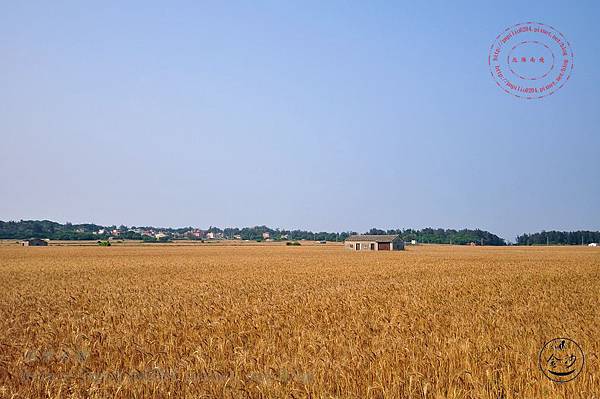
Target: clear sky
320, 115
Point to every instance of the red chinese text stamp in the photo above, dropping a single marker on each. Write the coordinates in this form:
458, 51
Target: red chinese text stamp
531, 60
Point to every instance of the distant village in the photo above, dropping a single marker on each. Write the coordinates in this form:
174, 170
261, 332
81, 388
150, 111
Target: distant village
191, 234
88, 231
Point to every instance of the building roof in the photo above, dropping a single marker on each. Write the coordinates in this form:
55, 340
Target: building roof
376, 238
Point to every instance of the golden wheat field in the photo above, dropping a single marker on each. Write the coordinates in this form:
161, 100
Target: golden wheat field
310, 321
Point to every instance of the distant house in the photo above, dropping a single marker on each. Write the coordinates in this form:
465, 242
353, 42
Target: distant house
34, 242
374, 243
197, 233
593, 244
266, 235
160, 236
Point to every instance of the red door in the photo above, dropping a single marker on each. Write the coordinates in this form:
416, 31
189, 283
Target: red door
383, 246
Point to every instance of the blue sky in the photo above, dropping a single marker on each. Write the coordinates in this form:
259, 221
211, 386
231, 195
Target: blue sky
315, 115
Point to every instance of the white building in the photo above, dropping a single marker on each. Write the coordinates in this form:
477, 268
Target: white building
374, 243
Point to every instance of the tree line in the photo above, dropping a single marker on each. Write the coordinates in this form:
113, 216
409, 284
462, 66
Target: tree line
445, 236
559, 238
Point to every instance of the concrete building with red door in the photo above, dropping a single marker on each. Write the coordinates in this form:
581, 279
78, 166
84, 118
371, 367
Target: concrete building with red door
374, 243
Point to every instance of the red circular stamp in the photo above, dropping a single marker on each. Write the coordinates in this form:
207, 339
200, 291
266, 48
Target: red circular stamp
531, 60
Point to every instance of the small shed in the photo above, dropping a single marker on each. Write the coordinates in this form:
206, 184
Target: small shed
34, 242
374, 243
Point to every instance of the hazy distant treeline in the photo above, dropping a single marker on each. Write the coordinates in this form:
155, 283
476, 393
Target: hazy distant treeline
55, 231
445, 236
559, 238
